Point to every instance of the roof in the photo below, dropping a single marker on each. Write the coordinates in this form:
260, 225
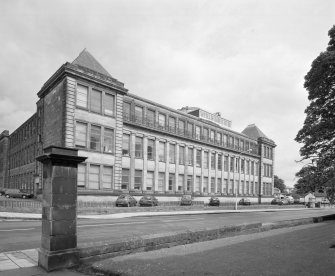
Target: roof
85, 59
254, 132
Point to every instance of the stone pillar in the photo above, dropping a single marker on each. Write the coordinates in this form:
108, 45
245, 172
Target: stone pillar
59, 228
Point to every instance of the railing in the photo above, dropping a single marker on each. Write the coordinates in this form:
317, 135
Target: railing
149, 123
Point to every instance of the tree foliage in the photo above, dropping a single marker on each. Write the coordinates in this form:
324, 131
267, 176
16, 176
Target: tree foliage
279, 183
318, 132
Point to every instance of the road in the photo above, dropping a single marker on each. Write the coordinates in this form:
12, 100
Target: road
19, 235
302, 250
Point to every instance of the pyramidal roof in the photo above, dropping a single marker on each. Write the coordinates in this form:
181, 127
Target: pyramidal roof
254, 132
85, 59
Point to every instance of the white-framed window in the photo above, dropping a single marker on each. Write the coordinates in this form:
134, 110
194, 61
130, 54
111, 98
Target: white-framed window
109, 104
138, 180
95, 138
96, 101
171, 181
150, 181
81, 175
161, 151
206, 157
81, 135
138, 147
108, 145
107, 177
172, 153
190, 156
94, 177
126, 145
180, 182
189, 183
181, 155
197, 183
82, 96
161, 181
151, 149
125, 179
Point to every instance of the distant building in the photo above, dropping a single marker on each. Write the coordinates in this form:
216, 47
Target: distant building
133, 144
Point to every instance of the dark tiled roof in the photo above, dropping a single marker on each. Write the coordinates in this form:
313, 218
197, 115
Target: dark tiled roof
85, 59
254, 132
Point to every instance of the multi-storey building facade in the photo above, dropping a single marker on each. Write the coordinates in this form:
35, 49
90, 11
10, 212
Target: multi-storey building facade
133, 144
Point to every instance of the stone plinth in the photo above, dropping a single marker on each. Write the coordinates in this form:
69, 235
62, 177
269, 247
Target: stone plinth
59, 216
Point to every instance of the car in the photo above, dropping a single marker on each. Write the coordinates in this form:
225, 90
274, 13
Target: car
148, 200
290, 199
244, 201
275, 201
17, 193
125, 200
186, 200
214, 201
284, 201
2, 192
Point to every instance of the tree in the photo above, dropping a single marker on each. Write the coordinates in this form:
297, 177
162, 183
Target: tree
318, 132
279, 183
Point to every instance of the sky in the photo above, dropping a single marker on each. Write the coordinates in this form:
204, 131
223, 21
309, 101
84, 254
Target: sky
246, 59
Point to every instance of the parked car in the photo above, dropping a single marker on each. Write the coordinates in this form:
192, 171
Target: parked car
125, 200
244, 201
290, 199
186, 200
214, 201
148, 200
17, 193
2, 192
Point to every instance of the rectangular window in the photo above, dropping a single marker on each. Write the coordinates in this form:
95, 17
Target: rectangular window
172, 124
82, 96
171, 181
247, 167
212, 136
206, 161
138, 147
151, 149
181, 155
231, 142
225, 164
212, 160
236, 145
139, 114
189, 183
205, 186
108, 145
257, 169
107, 177
197, 132
151, 117
181, 126
161, 181
252, 168
109, 104
172, 153
256, 188
205, 134
198, 158
93, 177
231, 169
197, 184
95, 138
81, 175
126, 110
150, 181
189, 129
242, 166
225, 140
212, 184
161, 121
225, 186
138, 180
243, 187
190, 156
81, 135
180, 182
237, 165
125, 144
161, 152
219, 162
247, 187
219, 138
125, 179
96, 97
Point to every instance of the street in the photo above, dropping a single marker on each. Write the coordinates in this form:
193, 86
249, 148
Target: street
301, 250
19, 235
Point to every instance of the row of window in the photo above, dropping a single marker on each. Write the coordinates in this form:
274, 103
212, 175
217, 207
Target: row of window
166, 122
267, 152
22, 181
24, 132
267, 188
94, 137
267, 170
23, 157
94, 176
95, 100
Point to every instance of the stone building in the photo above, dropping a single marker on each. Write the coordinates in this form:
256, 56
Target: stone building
133, 144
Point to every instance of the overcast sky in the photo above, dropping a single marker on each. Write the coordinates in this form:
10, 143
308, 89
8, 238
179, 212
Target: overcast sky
245, 59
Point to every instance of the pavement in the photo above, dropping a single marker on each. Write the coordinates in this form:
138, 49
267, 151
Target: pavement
25, 262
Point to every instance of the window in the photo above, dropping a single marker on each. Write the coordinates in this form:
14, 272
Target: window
161, 152
181, 155
93, 177
237, 165
190, 156
206, 157
125, 179
81, 176
109, 104
225, 186
257, 168
162, 121
107, 177
96, 97
151, 117
213, 160
197, 184
180, 182
243, 187
172, 124
247, 166
95, 138
151, 149
197, 132
172, 153
205, 186
212, 136
181, 127
161, 181
125, 144
252, 168
150, 181
231, 169
225, 140
231, 141
219, 138
108, 140
205, 133
247, 187
138, 180
219, 162
212, 184
189, 183
236, 143
82, 96
171, 181
126, 110
189, 129
198, 158
139, 114
139, 147
242, 166
81, 135
225, 164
